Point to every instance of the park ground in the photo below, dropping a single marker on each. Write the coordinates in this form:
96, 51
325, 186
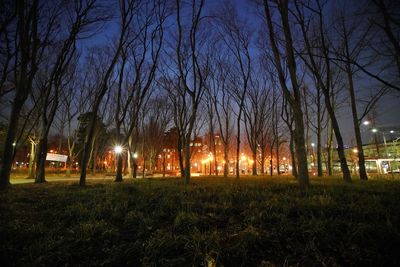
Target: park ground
254, 221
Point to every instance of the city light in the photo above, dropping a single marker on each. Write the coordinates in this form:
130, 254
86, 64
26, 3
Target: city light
136, 155
366, 123
374, 130
355, 150
118, 149
312, 144
391, 131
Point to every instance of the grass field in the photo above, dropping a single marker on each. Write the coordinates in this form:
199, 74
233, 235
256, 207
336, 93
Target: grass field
212, 222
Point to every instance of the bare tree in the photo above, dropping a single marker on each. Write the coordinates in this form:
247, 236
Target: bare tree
126, 12
324, 76
293, 96
31, 38
190, 80
257, 111
145, 42
80, 18
237, 34
222, 100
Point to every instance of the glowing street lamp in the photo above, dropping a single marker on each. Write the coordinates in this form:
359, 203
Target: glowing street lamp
135, 156
366, 123
118, 149
374, 130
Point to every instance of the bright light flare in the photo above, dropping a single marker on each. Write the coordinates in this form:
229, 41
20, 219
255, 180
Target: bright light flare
374, 130
366, 123
118, 149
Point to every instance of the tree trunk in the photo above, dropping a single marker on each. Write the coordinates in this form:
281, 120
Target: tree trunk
69, 166
134, 168
293, 156
319, 155
31, 172
41, 161
356, 125
339, 139
330, 152
254, 167
128, 162
226, 159
319, 129
9, 146
262, 160
118, 177
277, 157
271, 168
238, 150
180, 157
94, 161
300, 148
187, 162
163, 165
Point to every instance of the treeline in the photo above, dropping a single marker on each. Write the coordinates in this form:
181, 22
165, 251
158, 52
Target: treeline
259, 74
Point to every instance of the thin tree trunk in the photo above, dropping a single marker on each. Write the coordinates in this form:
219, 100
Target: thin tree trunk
319, 129
238, 149
118, 177
226, 159
330, 152
356, 125
277, 156
339, 139
262, 160
187, 162
41, 160
254, 167
271, 169
8, 153
163, 165
293, 156
31, 172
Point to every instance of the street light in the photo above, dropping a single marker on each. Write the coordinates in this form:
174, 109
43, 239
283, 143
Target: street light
366, 123
118, 149
313, 155
374, 130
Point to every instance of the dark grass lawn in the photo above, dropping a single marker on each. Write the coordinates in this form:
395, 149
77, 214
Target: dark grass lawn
212, 222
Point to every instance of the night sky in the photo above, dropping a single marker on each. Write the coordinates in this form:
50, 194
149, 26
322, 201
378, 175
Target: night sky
387, 110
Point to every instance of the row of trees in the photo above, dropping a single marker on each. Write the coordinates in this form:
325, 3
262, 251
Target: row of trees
196, 66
